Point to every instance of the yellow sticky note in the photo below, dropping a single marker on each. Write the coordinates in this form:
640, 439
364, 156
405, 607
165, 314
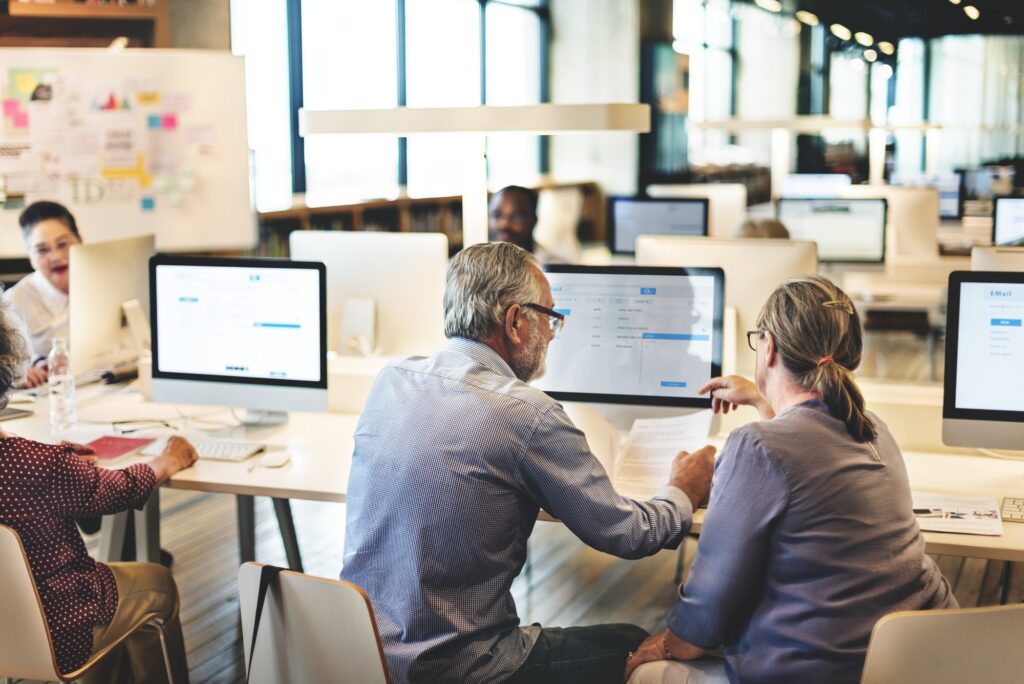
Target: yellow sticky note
148, 97
26, 83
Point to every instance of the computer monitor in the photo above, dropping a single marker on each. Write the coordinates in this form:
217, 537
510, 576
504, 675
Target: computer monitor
913, 217
982, 404
727, 209
101, 277
1008, 221
814, 184
753, 268
385, 291
631, 216
845, 230
997, 259
634, 335
950, 187
246, 333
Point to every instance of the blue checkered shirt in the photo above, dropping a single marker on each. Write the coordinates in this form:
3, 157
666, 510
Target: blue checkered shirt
454, 456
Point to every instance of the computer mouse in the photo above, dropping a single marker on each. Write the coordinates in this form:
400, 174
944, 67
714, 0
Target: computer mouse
275, 459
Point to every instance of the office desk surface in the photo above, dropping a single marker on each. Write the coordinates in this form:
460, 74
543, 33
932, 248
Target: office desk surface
320, 444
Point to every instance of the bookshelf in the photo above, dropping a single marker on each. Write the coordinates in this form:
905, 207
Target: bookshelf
408, 215
67, 23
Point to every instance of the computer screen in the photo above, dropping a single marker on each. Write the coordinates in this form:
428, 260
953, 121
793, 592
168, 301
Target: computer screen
845, 230
983, 405
249, 333
814, 184
630, 217
949, 185
1008, 221
635, 335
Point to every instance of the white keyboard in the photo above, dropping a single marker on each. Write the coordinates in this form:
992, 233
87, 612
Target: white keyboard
213, 449
1013, 509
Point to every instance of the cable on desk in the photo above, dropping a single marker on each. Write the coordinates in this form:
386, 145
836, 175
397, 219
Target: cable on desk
992, 453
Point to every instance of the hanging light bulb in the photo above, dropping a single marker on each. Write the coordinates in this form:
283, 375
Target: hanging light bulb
886, 47
972, 12
808, 18
864, 39
840, 31
870, 55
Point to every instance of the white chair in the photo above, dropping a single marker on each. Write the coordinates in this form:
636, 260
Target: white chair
312, 630
954, 646
26, 648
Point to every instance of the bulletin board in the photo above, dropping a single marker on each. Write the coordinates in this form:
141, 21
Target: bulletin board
133, 142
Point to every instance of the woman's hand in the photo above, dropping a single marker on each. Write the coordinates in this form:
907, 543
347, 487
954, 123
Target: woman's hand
83, 451
36, 376
733, 391
652, 649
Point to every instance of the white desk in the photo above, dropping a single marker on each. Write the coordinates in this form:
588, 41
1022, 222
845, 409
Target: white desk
322, 444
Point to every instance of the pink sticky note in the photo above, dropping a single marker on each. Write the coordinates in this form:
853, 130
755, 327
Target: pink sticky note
21, 120
10, 107
170, 121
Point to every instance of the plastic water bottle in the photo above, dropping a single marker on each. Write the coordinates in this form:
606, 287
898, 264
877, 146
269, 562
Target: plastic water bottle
62, 388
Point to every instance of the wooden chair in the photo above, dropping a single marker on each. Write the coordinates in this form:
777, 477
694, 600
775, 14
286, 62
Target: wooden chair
312, 630
26, 647
947, 646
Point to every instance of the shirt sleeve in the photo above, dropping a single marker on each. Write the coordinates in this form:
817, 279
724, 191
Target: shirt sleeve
567, 480
748, 495
80, 489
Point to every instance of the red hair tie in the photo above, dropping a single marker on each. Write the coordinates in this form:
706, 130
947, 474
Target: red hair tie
824, 360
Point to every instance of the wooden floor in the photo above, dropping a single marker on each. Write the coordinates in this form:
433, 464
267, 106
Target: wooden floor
568, 583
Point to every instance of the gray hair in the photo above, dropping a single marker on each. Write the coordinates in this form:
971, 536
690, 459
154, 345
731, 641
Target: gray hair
483, 280
14, 352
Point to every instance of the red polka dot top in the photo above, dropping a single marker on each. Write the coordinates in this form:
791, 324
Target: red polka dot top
43, 488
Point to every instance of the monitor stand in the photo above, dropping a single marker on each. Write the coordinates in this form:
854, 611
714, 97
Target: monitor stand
254, 418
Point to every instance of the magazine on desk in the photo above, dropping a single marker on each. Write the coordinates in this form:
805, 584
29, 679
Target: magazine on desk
639, 465
959, 514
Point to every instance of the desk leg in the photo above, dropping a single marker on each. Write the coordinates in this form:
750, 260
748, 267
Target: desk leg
147, 530
112, 531
283, 509
246, 528
1006, 577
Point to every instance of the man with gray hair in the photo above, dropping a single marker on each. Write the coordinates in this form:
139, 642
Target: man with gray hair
454, 456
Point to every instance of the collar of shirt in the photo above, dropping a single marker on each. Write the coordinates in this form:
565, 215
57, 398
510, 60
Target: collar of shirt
52, 299
482, 354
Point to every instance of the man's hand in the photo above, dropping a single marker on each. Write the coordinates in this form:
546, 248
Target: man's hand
733, 391
651, 650
692, 473
36, 376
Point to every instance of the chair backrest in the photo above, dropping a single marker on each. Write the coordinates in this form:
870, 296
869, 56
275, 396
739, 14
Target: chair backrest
954, 646
312, 630
26, 650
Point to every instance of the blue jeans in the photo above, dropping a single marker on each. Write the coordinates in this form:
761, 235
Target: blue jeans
594, 655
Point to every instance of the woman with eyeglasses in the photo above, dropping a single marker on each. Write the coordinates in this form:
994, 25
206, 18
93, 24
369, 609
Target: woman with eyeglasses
809, 536
41, 297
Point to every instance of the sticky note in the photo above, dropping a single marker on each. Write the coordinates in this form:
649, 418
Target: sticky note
25, 83
146, 97
170, 121
148, 204
21, 120
10, 107
153, 121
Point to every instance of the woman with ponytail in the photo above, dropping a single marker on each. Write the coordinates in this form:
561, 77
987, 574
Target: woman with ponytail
810, 535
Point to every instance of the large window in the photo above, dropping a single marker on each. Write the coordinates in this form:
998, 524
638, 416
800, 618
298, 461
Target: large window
457, 53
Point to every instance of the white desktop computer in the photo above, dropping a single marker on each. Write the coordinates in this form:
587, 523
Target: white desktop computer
753, 268
628, 217
245, 333
997, 259
727, 209
1008, 222
640, 336
845, 230
385, 291
814, 184
983, 405
913, 217
102, 277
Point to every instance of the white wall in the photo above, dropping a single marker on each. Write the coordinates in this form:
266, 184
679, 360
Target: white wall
595, 57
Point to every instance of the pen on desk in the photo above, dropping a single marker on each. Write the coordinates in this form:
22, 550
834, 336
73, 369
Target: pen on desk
252, 466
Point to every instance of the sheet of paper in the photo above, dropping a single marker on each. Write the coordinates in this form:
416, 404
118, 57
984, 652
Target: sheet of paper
964, 515
643, 466
602, 437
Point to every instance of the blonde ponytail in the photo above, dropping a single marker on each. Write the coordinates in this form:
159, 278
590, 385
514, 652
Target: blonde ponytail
818, 337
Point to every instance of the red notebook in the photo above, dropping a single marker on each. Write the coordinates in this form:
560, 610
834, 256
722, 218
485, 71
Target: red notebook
109, 447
